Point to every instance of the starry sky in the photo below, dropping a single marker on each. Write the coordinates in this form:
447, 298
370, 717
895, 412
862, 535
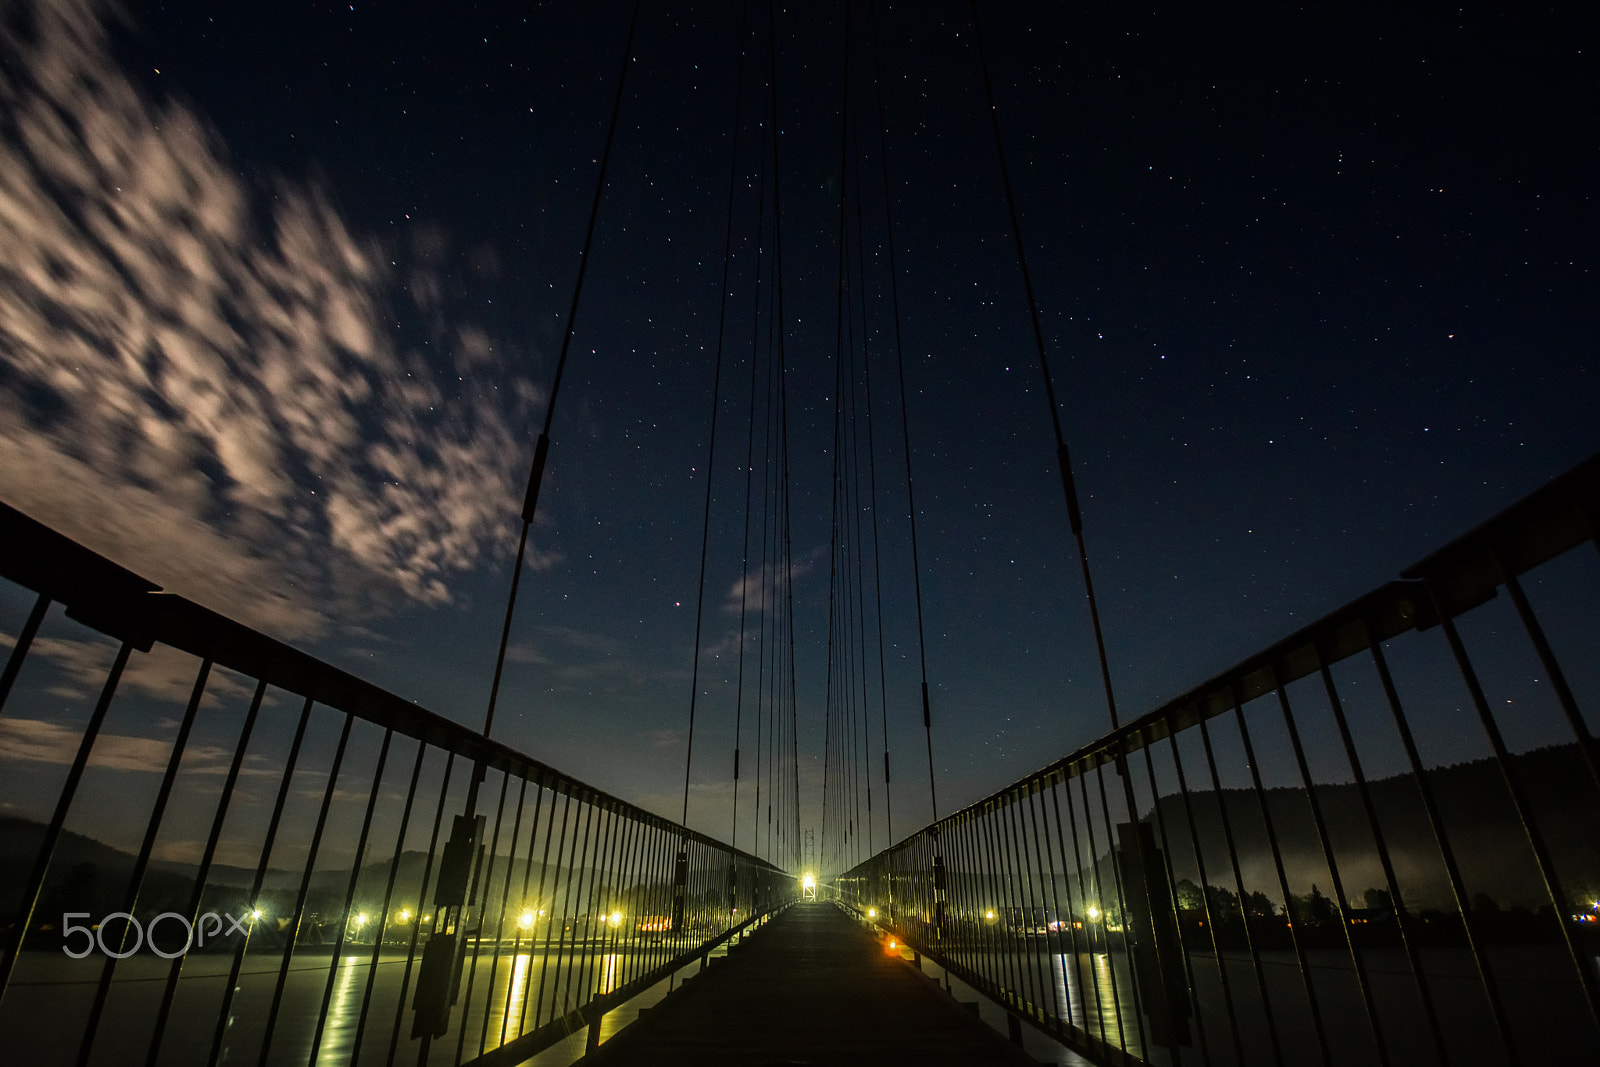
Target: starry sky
282, 289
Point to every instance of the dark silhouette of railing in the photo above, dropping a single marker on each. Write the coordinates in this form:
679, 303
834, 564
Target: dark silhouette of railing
481, 939
1300, 880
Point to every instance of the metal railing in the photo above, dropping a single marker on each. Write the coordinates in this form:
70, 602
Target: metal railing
269, 873
1366, 844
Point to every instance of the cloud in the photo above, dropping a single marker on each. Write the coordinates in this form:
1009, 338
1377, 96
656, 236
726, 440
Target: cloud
211, 391
666, 738
164, 673
38, 741
760, 590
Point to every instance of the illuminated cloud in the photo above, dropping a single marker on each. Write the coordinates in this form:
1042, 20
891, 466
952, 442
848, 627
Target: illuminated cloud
211, 392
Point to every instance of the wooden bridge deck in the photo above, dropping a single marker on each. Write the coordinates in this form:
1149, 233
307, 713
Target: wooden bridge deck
811, 987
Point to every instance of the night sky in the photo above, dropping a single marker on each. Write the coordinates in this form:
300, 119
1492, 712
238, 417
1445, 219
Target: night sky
282, 288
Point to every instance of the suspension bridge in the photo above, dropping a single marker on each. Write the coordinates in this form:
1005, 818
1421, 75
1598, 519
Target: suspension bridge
1275, 867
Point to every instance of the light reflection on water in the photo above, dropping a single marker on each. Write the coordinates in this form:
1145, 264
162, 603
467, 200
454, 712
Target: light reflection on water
343, 1013
517, 999
1091, 994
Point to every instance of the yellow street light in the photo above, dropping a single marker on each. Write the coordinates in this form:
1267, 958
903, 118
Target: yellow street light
1093, 913
526, 920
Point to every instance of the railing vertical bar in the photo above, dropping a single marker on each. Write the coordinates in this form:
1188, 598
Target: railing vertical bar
305, 888
1035, 837
1072, 911
422, 897
959, 944
1006, 974
482, 879
968, 836
1447, 856
533, 926
34, 886
649, 875
350, 894
169, 993
580, 855
1169, 881
19, 651
1541, 854
1283, 882
549, 909
1017, 846
225, 1013
1002, 962
1363, 986
388, 899
1552, 667
1402, 914
500, 922
130, 897
1205, 903
661, 851
1094, 882
1122, 909
594, 958
629, 864
1244, 903
593, 954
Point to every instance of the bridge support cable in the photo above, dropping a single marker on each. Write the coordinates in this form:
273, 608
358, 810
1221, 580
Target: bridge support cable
911, 496
1063, 458
716, 410
756, 319
466, 839
790, 793
1146, 927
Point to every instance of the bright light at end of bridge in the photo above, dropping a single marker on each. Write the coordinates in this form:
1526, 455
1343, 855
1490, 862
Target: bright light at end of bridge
872, 913
809, 882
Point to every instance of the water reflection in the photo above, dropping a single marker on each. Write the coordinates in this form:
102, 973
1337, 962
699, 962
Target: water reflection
518, 994
342, 1016
1089, 996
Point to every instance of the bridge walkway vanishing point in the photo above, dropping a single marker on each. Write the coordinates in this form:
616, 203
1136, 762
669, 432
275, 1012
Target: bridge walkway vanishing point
813, 986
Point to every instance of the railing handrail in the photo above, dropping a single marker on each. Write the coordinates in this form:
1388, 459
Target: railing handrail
124, 605
1463, 574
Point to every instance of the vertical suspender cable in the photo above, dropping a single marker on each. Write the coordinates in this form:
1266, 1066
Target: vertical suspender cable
905, 425
793, 789
744, 566
541, 450
716, 403
1074, 516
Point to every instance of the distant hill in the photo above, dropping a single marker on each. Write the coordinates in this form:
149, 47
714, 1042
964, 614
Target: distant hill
1489, 843
88, 875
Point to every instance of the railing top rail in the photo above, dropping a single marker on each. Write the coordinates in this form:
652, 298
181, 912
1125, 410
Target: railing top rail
128, 607
1463, 574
